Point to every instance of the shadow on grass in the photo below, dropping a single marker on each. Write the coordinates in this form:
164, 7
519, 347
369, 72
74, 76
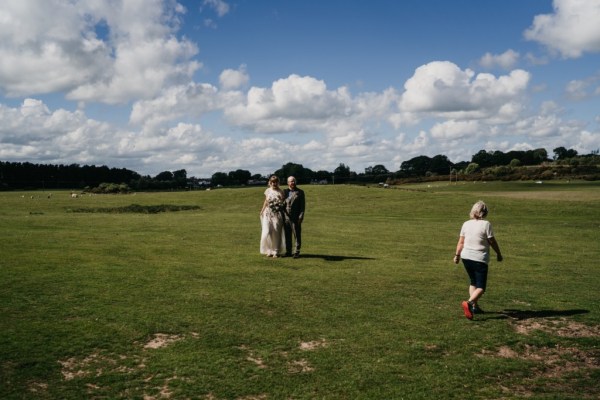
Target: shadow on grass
527, 314
334, 258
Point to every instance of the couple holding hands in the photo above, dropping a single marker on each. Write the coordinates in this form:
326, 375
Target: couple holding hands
281, 219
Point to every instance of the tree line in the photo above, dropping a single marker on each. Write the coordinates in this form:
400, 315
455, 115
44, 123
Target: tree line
483, 164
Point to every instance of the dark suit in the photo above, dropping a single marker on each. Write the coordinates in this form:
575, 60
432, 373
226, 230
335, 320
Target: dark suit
294, 215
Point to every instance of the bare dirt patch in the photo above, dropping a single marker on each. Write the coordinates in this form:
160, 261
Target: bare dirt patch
313, 345
253, 357
554, 362
299, 366
162, 340
38, 387
561, 327
77, 368
254, 397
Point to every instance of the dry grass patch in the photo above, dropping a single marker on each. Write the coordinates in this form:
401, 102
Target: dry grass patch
38, 387
561, 327
313, 345
299, 366
162, 340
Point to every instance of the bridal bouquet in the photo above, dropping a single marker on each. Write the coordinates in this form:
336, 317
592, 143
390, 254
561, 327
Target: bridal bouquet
276, 205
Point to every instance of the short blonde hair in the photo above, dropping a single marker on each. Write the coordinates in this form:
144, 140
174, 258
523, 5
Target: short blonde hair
274, 178
479, 210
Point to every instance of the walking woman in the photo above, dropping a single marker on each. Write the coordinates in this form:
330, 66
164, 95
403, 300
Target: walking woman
476, 237
272, 238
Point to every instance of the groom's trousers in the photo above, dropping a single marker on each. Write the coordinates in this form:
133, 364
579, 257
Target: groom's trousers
293, 230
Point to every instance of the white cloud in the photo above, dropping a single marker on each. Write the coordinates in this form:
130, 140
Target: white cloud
95, 51
571, 30
506, 60
582, 89
452, 130
576, 90
234, 79
441, 88
219, 6
587, 141
536, 60
293, 104
193, 99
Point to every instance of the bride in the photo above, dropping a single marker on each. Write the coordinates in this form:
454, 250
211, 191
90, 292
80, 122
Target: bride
272, 238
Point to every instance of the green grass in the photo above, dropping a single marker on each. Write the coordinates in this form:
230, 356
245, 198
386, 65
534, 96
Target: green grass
371, 310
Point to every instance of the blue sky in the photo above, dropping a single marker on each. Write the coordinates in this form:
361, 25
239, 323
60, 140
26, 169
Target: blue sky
217, 85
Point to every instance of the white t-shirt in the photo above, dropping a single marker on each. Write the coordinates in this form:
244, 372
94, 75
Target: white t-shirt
476, 233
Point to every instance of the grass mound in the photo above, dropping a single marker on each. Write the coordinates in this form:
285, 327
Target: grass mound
136, 209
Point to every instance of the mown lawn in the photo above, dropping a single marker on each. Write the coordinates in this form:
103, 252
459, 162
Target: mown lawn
96, 303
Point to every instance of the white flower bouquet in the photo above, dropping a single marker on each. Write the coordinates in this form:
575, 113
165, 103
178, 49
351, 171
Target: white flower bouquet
276, 205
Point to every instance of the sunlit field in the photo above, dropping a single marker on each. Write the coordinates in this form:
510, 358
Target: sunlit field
165, 295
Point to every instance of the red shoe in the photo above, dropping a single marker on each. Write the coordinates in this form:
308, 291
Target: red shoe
467, 309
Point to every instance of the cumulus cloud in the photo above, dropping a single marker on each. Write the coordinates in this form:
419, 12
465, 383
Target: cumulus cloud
441, 88
572, 29
219, 6
293, 104
456, 129
193, 99
234, 78
95, 51
506, 60
582, 89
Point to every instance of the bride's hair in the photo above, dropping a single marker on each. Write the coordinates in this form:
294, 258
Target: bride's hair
274, 179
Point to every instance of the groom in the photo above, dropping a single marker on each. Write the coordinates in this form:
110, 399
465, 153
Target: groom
294, 199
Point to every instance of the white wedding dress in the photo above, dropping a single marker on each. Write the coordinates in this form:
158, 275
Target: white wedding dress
272, 238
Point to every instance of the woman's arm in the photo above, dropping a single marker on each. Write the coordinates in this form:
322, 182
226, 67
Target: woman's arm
459, 248
265, 203
496, 248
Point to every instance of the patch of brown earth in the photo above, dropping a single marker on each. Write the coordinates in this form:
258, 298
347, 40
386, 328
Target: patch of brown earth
561, 327
299, 366
77, 368
164, 391
313, 345
253, 357
552, 362
162, 340
38, 387
254, 397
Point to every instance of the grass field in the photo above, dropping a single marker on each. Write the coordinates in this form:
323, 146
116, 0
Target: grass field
107, 305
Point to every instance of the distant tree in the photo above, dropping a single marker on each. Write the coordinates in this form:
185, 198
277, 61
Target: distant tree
322, 175
239, 177
461, 165
560, 153
302, 175
219, 178
417, 166
540, 155
164, 176
440, 165
180, 178
180, 174
515, 162
483, 159
342, 171
379, 170
472, 168
571, 153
